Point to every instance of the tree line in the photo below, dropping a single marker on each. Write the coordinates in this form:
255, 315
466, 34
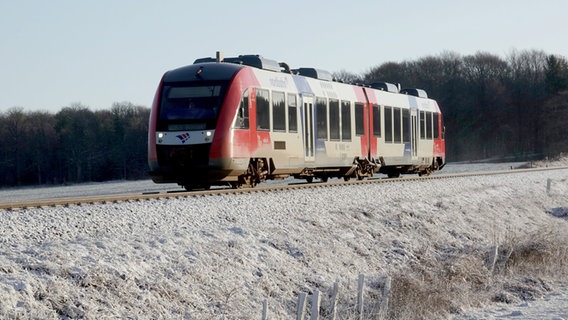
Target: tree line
512, 107
73, 145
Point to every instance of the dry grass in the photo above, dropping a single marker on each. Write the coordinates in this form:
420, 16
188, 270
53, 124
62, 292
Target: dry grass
440, 282
436, 286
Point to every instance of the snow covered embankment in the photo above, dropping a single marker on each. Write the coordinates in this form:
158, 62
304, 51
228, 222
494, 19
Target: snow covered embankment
218, 256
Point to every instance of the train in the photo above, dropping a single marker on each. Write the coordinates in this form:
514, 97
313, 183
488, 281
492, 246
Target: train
240, 121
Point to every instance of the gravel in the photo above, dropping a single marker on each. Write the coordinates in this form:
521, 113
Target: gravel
223, 256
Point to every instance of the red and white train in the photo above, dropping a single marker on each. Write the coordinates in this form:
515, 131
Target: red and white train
240, 121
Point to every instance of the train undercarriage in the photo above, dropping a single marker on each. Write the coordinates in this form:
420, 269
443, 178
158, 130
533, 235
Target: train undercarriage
263, 169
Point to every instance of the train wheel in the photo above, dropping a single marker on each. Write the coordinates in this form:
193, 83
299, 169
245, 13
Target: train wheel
247, 181
310, 179
360, 174
324, 179
256, 173
252, 182
346, 178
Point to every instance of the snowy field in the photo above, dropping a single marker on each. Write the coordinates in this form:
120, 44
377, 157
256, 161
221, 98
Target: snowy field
220, 257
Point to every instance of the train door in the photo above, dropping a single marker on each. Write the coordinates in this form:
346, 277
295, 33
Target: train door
308, 127
414, 129
371, 132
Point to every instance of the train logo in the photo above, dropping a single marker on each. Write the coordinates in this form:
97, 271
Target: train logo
183, 137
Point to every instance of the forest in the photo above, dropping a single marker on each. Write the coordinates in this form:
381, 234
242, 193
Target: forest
73, 145
513, 108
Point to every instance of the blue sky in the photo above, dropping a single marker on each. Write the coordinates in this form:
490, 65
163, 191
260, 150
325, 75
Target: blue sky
97, 52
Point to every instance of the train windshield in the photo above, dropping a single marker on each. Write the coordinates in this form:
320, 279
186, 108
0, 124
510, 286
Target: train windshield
191, 107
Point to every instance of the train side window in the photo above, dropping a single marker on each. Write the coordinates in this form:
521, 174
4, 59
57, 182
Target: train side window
376, 120
429, 125
334, 119
345, 120
388, 124
406, 125
262, 110
278, 111
436, 126
359, 119
292, 113
422, 125
321, 118
242, 120
396, 125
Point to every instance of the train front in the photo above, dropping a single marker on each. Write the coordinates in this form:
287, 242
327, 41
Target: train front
184, 121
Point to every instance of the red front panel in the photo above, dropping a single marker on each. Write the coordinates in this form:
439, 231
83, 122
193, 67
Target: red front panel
440, 143
229, 142
247, 141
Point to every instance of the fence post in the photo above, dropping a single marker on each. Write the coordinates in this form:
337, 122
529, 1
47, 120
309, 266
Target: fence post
334, 300
301, 306
265, 309
385, 298
315, 306
360, 295
492, 258
548, 185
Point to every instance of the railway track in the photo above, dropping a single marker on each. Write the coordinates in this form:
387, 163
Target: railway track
133, 197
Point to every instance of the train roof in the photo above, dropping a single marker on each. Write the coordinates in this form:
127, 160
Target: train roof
210, 68
251, 60
204, 71
258, 61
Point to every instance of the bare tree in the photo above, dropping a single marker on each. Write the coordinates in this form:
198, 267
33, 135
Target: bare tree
130, 130
14, 128
528, 92
40, 146
347, 77
556, 74
77, 129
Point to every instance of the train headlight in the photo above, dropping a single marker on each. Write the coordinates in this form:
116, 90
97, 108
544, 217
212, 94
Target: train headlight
208, 135
160, 135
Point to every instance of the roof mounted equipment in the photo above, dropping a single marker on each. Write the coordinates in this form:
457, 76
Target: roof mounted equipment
252, 60
255, 60
414, 92
314, 73
385, 86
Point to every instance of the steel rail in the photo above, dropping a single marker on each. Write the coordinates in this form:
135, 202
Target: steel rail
133, 197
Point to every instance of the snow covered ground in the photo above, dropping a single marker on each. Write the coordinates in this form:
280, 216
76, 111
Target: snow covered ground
221, 256
552, 306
